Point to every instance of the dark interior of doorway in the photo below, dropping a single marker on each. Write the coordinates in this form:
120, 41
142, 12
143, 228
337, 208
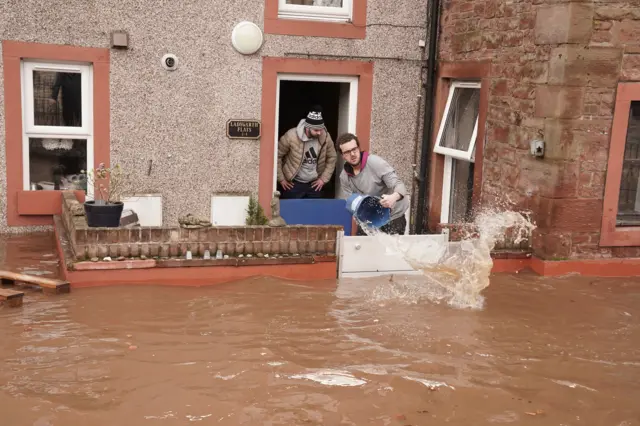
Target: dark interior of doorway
296, 97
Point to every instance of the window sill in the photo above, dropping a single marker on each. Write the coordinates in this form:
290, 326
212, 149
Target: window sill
628, 236
315, 18
315, 28
42, 203
284, 23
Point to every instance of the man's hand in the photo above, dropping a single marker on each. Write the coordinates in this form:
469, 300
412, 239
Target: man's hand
389, 200
286, 185
318, 184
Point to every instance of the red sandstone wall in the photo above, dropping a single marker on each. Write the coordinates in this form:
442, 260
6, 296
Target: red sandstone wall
555, 68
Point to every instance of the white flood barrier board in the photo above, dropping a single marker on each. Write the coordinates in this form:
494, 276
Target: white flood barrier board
365, 256
148, 207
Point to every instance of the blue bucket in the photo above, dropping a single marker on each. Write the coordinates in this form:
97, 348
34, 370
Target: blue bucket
367, 210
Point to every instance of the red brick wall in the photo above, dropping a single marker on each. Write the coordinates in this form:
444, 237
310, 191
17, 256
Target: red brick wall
555, 68
168, 242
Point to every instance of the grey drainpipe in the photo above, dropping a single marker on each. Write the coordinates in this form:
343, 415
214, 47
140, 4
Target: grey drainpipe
433, 19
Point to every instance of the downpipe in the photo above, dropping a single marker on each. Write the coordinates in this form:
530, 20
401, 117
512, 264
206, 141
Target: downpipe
433, 29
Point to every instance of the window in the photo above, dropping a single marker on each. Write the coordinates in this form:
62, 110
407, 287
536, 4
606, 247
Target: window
58, 125
621, 206
319, 10
629, 197
456, 140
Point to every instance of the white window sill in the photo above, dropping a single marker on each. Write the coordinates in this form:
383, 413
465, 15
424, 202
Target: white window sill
315, 18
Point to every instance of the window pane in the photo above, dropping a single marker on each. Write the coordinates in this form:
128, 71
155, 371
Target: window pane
57, 98
461, 191
326, 3
57, 163
629, 200
461, 118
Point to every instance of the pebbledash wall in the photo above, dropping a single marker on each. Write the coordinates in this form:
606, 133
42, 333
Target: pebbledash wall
177, 119
554, 71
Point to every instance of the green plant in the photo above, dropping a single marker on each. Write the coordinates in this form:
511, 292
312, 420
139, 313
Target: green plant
255, 213
108, 183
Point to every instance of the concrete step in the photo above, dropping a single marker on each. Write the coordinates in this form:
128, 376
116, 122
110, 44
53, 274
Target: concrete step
11, 297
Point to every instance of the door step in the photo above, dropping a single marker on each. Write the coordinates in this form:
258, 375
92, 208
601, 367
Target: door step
11, 297
48, 285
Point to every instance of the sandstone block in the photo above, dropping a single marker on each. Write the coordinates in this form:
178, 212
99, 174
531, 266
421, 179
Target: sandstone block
564, 23
630, 68
559, 101
579, 66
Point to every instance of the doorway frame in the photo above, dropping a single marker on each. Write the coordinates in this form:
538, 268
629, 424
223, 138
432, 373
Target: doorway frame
324, 68
353, 106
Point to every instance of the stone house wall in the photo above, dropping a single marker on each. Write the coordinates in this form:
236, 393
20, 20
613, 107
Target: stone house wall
177, 120
555, 66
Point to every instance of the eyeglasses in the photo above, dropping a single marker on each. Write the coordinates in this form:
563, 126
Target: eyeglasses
351, 151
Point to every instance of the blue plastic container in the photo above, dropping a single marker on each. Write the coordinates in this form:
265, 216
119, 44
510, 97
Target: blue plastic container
368, 211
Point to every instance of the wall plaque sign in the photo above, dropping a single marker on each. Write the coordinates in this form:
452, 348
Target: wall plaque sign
243, 129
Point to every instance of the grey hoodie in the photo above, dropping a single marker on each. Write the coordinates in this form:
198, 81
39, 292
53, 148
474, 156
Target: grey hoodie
309, 169
376, 178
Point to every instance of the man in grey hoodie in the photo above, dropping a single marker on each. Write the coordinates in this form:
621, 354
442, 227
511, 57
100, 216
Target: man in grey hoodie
371, 175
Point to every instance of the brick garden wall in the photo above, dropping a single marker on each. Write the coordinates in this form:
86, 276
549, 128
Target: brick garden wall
555, 68
164, 242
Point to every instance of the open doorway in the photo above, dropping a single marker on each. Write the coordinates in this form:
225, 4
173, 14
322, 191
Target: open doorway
338, 98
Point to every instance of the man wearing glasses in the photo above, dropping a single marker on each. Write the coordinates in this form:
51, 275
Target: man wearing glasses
371, 175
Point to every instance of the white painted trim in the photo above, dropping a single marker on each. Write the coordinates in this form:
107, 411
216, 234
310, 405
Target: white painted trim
456, 153
321, 78
446, 189
30, 130
340, 252
276, 139
28, 68
316, 13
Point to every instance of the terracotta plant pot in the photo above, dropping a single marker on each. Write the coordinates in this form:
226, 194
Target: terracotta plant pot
102, 215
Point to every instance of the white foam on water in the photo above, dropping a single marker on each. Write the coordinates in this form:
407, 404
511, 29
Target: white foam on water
197, 418
331, 378
573, 385
431, 384
455, 272
228, 377
166, 415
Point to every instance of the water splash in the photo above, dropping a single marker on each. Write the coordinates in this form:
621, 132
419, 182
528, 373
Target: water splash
458, 271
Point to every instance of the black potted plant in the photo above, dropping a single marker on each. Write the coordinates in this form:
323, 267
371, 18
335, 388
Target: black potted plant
105, 210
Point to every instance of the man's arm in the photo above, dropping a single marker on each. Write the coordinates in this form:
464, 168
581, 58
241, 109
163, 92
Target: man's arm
389, 176
330, 163
345, 187
283, 150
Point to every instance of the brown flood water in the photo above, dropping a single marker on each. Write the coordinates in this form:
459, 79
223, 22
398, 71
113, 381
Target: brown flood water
542, 351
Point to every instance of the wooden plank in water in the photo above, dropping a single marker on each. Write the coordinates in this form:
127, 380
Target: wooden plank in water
11, 297
47, 284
